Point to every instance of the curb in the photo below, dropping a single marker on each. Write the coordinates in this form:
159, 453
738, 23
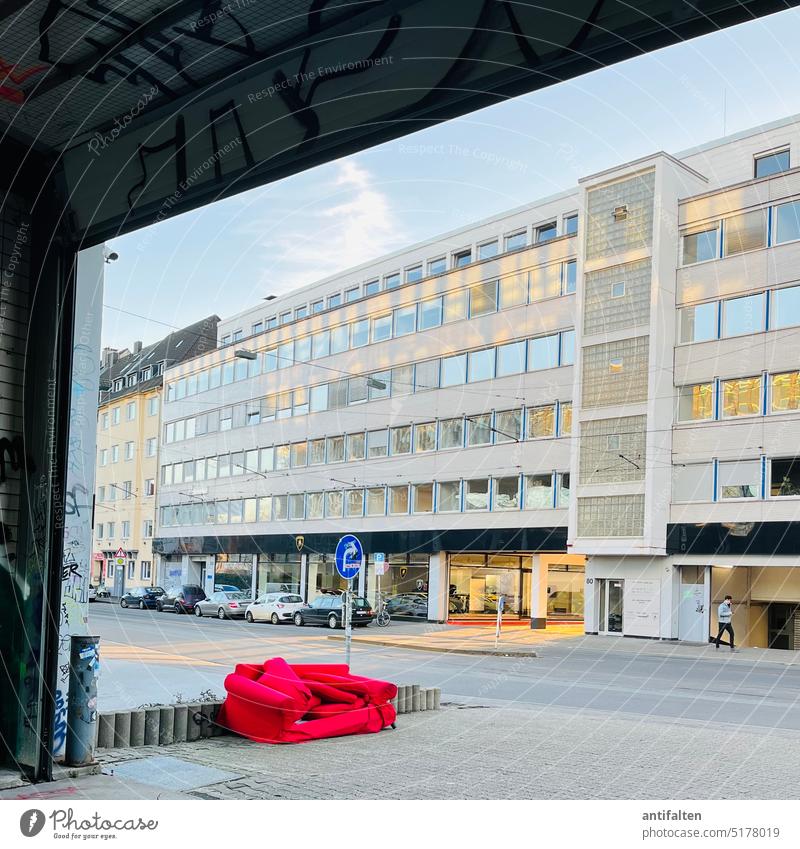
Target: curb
441, 649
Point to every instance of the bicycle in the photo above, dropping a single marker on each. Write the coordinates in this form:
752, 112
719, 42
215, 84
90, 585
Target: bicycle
383, 617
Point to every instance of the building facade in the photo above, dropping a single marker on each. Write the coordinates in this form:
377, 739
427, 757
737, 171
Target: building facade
587, 406
128, 432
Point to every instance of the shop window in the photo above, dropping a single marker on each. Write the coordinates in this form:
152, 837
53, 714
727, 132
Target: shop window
739, 479
785, 392
476, 496
784, 477
506, 494
741, 397
696, 403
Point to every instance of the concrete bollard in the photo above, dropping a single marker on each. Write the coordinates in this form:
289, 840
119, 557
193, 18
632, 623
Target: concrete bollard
105, 731
137, 728
193, 722
415, 698
216, 731
402, 699
152, 721
207, 712
122, 730
423, 698
166, 725
429, 699
437, 698
181, 725
393, 703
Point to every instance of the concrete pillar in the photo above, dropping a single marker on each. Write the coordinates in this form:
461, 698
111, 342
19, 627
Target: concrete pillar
303, 575
438, 587
254, 574
181, 724
137, 728
415, 698
371, 587
152, 723
423, 699
122, 729
403, 692
429, 699
539, 591
437, 698
166, 725
105, 731
193, 727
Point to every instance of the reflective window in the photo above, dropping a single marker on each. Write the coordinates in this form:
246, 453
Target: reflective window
546, 282
430, 313
739, 479
372, 287
451, 433
545, 232
356, 445
570, 225
316, 452
335, 449
516, 241
479, 429
334, 505
398, 500
787, 222
422, 497
784, 477
745, 232
391, 281
454, 370
507, 425
413, 274
315, 505
455, 306
355, 502
569, 277
565, 423
405, 320
476, 494
487, 250
462, 258
425, 437
543, 352
743, 315
483, 299
321, 344
340, 339
785, 392
360, 333
381, 328
785, 307
513, 291
511, 358
481, 365
426, 375
401, 440
541, 421
377, 443
700, 245
376, 501
437, 266
771, 163
699, 323
538, 492
449, 497
741, 397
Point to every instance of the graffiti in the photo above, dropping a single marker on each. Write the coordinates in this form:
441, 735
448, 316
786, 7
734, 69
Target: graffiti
73, 508
60, 724
12, 453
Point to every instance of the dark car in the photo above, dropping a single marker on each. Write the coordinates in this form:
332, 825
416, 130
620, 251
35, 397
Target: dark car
327, 610
181, 598
141, 597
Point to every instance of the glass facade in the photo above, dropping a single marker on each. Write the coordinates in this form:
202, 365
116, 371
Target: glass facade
234, 570
476, 582
278, 573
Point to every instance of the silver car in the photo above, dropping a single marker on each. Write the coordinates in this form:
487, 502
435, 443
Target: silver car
223, 605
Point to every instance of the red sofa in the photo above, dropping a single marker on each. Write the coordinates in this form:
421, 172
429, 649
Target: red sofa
275, 702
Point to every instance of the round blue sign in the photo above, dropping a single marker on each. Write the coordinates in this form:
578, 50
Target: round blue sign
349, 556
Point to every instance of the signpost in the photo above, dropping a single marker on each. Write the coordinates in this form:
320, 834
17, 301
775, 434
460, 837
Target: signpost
379, 559
349, 559
119, 557
500, 603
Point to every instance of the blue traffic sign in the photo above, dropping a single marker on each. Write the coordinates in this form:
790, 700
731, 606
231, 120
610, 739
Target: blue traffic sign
349, 556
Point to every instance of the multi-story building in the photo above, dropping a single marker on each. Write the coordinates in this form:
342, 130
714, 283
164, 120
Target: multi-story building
589, 405
128, 429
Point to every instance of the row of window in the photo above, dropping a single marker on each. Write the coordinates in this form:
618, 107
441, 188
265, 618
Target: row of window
514, 241
145, 569
541, 352
761, 394
107, 530
478, 300
746, 231
108, 492
113, 416
769, 310
151, 446
462, 432
517, 492
143, 374
723, 480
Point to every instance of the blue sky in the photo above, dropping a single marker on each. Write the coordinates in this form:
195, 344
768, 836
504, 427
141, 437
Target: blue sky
226, 257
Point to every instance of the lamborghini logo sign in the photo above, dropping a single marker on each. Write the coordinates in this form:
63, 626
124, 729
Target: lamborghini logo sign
299, 541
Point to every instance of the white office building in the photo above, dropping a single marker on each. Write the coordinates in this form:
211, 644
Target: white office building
589, 406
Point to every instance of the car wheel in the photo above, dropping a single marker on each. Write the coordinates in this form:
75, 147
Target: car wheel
159, 607
333, 622
298, 619
123, 603
141, 605
197, 612
248, 616
179, 608
274, 619
220, 614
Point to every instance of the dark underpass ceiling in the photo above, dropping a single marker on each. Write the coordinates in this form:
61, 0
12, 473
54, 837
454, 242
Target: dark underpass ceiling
150, 108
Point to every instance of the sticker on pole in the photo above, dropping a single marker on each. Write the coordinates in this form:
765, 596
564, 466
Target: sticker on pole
349, 556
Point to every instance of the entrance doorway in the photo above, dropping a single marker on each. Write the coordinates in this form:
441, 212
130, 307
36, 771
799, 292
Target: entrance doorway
610, 593
693, 620
781, 625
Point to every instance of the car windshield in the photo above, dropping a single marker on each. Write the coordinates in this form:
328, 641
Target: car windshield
291, 599
158, 590
360, 602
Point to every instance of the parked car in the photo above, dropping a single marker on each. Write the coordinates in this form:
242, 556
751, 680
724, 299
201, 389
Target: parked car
275, 608
327, 610
226, 588
103, 592
141, 597
408, 604
181, 598
223, 605
92, 592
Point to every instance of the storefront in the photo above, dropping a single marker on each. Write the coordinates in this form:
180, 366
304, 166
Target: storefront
403, 585
322, 576
476, 582
234, 570
278, 573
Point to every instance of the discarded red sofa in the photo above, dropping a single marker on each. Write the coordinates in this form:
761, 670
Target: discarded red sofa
275, 702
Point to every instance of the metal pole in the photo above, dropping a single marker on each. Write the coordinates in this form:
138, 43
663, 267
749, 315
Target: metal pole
84, 662
500, 603
348, 626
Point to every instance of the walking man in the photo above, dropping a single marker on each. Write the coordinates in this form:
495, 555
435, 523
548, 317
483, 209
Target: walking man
724, 615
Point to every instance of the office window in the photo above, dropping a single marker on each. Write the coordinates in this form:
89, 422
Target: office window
426, 375
317, 306
745, 232
767, 164
372, 287
479, 429
481, 365
739, 479
282, 458
381, 328
451, 433
546, 282
565, 419
352, 294
238, 335
513, 291
784, 477
376, 501
257, 328
455, 306
266, 461
272, 322
297, 505
567, 344
541, 422
391, 281
515, 241
511, 358
700, 245
316, 452
398, 500
299, 454
545, 232
302, 350
380, 385
301, 312
334, 301
538, 492
476, 495
422, 497
321, 344
355, 502
743, 315
377, 443
340, 339
741, 397
462, 258
430, 313
449, 497
265, 508
315, 505
506, 494
358, 390
405, 320
569, 276
696, 403
356, 445
785, 307
785, 392
250, 510
786, 218
507, 425
488, 249
693, 482
359, 335
401, 440
699, 323
570, 225
483, 299
335, 449
438, 265
402, 382
425, 437
280, 507
454, 370
334, 505
285, 317
543, 352
413, 274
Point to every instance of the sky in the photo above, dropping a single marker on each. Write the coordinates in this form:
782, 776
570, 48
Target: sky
227, 256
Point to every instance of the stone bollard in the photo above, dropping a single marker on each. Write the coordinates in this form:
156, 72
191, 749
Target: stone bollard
181, 725
415, 698
122, 730
137, 728
429, 697
217, 730
193, 727
423, 699
393, 702
166, 725
437, 698
207, 712
105, 731
404, 698
152, 721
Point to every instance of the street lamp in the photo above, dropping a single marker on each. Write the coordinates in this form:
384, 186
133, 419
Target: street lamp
244, 354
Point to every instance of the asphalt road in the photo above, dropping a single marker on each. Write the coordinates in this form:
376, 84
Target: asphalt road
150, 657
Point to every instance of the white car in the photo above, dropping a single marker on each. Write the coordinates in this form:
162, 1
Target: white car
274, 607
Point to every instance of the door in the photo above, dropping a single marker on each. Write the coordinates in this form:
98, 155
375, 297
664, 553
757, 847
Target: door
693, 622
780, 625
610, 605
119, 580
